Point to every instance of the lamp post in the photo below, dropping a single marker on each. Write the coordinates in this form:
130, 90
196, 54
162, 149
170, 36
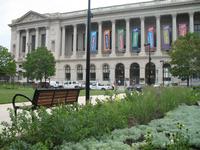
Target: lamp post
87, 91
149, 66
162, 61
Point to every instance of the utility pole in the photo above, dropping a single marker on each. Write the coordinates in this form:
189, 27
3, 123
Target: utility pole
87, 91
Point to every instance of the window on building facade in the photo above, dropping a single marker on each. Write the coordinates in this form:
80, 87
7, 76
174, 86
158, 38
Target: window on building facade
23, 44
53, 46
67, 72
167, 74
33, 42
106, 72
79, 72
43, 40
83, 41
92, 72
197, 28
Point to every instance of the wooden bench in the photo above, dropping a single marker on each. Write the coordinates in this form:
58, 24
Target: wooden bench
48, 98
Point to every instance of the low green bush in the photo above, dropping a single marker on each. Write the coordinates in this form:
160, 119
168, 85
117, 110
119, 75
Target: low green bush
76, 123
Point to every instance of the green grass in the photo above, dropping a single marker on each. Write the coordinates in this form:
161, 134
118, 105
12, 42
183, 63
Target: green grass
7, 93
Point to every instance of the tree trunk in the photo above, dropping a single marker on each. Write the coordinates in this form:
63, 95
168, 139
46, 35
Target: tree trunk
188, 81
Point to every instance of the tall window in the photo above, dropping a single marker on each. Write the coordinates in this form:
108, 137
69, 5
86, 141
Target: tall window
79, 72
67, 72
106, 72
33, 42
43, 40
92, 72
167, 74
197, 28
23, 43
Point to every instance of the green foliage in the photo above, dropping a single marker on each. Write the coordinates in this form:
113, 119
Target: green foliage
39, 64
7, 63
185, 56
76, 123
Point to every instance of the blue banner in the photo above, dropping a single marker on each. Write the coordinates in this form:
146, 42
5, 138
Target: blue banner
93, 42
150, 37
135, 38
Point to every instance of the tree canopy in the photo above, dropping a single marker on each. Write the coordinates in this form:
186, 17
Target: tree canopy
39, 64
7, 63
185, 56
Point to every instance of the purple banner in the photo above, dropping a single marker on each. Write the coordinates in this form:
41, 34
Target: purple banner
166, 37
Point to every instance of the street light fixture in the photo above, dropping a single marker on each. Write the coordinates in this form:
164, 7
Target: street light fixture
162, 61
149, 66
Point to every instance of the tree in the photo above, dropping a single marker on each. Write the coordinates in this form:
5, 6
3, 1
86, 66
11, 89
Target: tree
39, 64
7, 63
185, 56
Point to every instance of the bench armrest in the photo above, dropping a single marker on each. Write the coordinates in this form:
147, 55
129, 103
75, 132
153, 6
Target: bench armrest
14, 98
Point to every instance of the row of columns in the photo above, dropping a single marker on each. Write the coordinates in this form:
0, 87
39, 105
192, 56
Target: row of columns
27, 50
142, 19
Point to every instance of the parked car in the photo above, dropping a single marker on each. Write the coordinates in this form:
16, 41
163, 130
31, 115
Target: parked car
55, 84
136, 87
99, 86
71, 84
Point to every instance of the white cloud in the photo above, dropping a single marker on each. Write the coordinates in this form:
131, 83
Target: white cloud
12, 9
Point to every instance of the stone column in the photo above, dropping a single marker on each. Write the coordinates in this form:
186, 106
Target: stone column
58, 42
191, 14
142, 71
127, 75
27, 42
74, 40
36, 38
142, 34
174, 28
63, 42
113, 52
17, 45
128, 37
158, 45
47, 38
100, 38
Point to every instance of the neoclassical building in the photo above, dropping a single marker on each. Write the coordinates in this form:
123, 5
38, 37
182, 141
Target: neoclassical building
118, 38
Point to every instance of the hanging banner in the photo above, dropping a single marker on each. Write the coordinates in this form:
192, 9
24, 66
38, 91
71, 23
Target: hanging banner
135, 39
166, 37
182, 28
107, 37
150, 37
93, 42
120, 39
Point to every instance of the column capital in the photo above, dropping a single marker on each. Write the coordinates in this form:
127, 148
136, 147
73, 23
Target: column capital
174, 15
113, 21
157, 16
47, 27
127, 19
100, 22
191, 13
142, 17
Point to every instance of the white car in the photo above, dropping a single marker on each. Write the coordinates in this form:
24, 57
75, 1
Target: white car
55, 84
71, 84
99, 86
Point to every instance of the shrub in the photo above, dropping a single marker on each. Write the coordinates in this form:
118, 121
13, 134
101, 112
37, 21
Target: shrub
76, 123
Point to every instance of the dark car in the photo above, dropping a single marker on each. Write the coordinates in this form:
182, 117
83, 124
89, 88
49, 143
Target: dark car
136, 87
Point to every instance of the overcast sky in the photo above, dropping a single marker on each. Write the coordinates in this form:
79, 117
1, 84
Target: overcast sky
12, 9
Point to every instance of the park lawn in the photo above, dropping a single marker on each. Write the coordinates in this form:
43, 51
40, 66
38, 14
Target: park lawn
6, 94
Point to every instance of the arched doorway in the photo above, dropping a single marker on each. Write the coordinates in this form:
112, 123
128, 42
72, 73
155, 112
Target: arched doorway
119, 74
152, 73
134, 74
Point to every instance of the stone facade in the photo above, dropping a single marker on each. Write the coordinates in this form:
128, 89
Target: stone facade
64, 35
